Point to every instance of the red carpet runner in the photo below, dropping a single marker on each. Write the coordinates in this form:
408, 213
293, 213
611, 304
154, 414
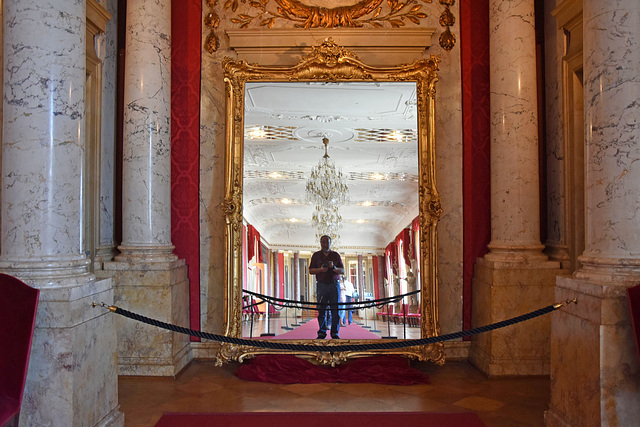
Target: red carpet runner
309, 331
322, 419
289, 369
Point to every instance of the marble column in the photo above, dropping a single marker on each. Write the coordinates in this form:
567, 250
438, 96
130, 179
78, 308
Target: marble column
107, 50
515, 277
72, 375
276, 274
594, 360
151, 280
296, 276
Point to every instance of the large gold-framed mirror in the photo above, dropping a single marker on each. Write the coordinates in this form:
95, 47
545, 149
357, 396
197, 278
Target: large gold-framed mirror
330, 64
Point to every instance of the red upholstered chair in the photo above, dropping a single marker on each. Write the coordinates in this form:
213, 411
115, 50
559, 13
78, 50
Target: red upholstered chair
273, 312
18, 304
386, 314
413, 319
399, 318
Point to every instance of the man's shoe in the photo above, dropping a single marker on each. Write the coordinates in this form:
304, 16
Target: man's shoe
321, 338
335, 337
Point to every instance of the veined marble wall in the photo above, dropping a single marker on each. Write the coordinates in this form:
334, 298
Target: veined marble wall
448, 165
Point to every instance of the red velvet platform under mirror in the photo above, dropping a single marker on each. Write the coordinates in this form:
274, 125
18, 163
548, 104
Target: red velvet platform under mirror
321, 419
290, 369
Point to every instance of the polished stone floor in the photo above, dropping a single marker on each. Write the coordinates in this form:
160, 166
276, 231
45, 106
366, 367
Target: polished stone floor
455, 387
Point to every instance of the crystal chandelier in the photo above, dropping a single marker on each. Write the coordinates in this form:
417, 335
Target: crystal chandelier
327, 190
326, 187
327, 222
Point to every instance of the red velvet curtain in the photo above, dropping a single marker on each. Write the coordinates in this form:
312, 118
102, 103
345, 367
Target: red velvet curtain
392, 254
245, 257
186, 18
281, 273
474, 50
403, 239
415, 233
253, 243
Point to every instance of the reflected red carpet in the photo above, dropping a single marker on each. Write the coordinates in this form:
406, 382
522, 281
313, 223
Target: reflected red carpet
322, 419
289, 369
309, 331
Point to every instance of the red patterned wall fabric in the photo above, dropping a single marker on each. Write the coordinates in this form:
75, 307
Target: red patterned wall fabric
281, 273
185, 143
474, 47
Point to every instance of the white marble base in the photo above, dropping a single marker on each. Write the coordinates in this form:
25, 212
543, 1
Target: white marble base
502, 290
595, 372
158, 290
72, 379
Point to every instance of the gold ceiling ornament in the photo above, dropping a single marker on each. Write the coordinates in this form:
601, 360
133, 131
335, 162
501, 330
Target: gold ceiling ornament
377, 13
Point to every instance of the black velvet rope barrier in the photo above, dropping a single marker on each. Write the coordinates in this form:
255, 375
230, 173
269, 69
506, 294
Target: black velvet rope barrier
387, 345
280, 302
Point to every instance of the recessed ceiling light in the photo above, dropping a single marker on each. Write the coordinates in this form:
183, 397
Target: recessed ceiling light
396, 136
367, 203
256, 133
285, 201
377, 176
360, 221
275, 175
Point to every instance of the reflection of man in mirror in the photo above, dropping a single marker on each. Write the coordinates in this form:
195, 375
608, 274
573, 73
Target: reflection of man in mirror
327, 267
347, 289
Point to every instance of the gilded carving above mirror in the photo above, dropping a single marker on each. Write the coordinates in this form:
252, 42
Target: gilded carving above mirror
345, 14
329, 63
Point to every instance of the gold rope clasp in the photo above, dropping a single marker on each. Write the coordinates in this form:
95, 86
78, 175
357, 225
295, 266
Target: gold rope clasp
111, 308
567, 302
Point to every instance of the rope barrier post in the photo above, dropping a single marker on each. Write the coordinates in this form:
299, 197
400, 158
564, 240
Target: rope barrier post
268, 317
295, 314
366, 325
286, 319
374, 320
404, 320
389, 325
251, 325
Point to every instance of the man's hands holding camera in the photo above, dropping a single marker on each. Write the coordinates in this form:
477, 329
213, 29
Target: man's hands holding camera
328, 266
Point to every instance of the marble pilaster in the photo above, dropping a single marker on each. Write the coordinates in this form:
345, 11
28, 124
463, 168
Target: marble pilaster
276, 274
107, 50
296, 275
72, 379
151, 280
515, 277
595, 371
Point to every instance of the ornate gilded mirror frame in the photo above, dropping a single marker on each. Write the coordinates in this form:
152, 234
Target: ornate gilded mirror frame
331, 63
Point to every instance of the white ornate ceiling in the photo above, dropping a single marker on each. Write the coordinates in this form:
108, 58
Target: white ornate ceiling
372, 132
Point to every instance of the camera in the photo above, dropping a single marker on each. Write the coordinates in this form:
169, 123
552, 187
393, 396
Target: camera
326, 265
